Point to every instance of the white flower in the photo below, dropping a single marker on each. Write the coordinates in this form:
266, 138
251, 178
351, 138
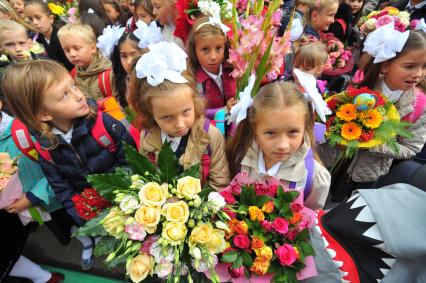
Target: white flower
370, 24
205, 264
147, 34
163, 269
216, 201
209, 8
195, 252
222, 226
404, 15
227, 9
161, 255
129, 203
109, 39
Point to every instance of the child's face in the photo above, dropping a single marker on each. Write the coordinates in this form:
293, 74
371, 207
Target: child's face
78, 51
39, 19
143, 15
128, 51
406, 71
277, 140
355, 5
18, 6
111, 12
16, 44
164, 11
131, 5
175, 112
210, 51
123, 4
63, 102
322, 20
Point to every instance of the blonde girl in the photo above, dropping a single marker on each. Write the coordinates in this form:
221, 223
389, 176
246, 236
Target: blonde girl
276, 139
172, 111
7, 12
320, 17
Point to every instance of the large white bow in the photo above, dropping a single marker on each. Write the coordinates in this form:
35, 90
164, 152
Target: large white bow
385, 42
215, 20
309, 83
421, 25
239, 110
109, 39
164, 61
147, 34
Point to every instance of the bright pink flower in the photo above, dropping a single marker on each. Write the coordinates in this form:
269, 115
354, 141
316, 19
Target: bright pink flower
286, 254
276, 17
266, 225
236, 272
242, 242
228, 196
280, 225
384, 20
399, 26
296, 207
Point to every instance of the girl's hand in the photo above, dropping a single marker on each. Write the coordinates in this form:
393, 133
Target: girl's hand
231, 102
19, 205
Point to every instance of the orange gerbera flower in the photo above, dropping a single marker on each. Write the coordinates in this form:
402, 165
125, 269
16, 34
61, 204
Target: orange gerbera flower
351, 131
372, 119
347, 112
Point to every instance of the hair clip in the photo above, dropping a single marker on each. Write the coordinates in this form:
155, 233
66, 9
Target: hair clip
215, 21
384, 42
109, 39
164, 61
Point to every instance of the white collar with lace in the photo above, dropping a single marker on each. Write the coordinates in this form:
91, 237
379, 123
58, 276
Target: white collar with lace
261, 166
392, 95
5, 122
174, 142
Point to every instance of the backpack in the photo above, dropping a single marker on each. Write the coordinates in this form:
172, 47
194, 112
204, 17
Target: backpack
205, 158
309, 166
32, 149
419, 106
104, 81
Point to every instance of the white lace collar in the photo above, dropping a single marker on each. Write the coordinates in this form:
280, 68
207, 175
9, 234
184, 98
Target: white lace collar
5, 122
392, 95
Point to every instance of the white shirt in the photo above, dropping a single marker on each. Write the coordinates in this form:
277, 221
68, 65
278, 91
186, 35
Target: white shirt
66, 136
273, 171
174, 142
418, 6
392, 95
217, 78
5, 122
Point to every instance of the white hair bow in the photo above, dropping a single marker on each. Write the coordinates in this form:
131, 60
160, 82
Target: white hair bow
215, 21
309, 83
90, 11
239, 110
147, 34
164, 61
109, 39
421, 25
385, 42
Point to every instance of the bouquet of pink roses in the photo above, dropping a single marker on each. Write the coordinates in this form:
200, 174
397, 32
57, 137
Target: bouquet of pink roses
340, 60
383, 17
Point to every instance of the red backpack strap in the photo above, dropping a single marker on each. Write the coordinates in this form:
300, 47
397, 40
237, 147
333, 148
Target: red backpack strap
22, 139
104, 82
101, 135
419, 106
73, 72
343, 24
206, 158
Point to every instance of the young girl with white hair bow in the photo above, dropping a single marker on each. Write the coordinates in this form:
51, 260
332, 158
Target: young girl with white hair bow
396, 66
165, 96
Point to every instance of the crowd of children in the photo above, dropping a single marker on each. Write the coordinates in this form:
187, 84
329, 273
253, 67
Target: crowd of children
172, 74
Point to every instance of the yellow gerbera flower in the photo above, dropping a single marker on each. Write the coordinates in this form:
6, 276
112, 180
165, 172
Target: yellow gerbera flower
351, 131
372, 119
347, 112
56, 9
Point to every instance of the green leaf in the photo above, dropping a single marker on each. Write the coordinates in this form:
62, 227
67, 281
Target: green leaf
247, 260
117, 261
294, 194
230, 257
205, 192
238, 262
280, 192
307, 248
139, 163
193, 171
105, 184
285, 207
93, 227
105, 246
304, 235
261, 200
243, 208
277, 202
167, 163
261, 70
247, 195
275, 267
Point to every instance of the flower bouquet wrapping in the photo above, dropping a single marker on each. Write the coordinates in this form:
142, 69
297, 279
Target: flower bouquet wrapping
340, 60
377, 19
268, 235
161, 222
363, 119
255, 48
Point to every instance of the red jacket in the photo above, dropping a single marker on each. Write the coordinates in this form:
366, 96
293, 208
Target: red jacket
211, 91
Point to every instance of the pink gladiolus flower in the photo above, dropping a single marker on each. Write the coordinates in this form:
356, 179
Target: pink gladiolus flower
276, 17
384, 20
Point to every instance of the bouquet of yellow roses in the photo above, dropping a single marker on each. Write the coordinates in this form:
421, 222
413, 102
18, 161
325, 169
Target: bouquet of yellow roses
161, 222
363, 118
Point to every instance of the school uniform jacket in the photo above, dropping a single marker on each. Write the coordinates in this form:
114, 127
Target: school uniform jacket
54, 49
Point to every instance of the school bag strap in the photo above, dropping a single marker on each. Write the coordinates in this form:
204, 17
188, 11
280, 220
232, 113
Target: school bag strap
104, 82
309, 166
419, 106
206, 157
101, 135
73, 72
343, 24
22, 139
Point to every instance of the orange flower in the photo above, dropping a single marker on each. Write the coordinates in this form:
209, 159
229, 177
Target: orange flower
241, 228
256, 243
372, 119
255, 213
347, 112
268, 207
351, 131
296, 218
260, 265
